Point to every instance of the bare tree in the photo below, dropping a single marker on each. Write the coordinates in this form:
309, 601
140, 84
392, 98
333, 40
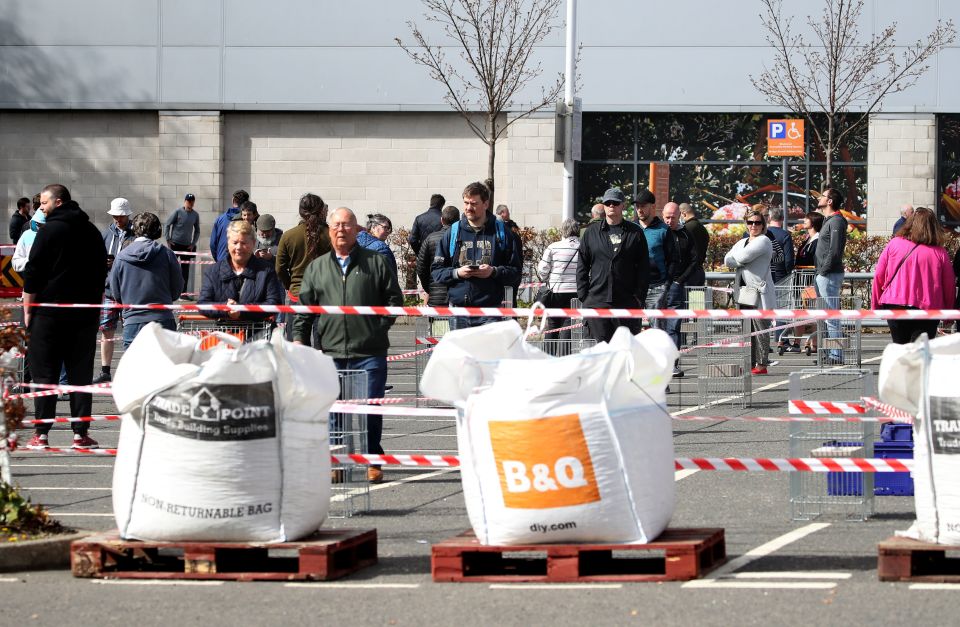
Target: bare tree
838, 74
496, 40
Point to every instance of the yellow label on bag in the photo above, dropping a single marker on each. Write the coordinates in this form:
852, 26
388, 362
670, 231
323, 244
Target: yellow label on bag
543, 463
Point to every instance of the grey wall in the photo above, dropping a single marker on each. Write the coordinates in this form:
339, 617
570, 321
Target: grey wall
336, 55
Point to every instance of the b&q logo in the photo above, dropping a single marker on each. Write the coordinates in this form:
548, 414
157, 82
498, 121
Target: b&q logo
543, 463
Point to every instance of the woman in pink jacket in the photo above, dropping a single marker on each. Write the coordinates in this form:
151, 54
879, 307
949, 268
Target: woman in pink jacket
914, 272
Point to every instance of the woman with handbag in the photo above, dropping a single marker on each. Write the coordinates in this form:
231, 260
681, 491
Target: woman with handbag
558, 269
753, 286
914, 272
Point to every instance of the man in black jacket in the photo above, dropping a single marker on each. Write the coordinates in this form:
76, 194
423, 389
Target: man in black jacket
701, 241
687, 264
436, 292
67, 264
426, 223
614, 267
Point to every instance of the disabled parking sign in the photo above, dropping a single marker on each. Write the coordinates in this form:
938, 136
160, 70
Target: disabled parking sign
785, 138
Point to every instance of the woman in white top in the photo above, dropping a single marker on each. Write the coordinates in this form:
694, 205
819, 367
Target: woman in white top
558, 269
751, 259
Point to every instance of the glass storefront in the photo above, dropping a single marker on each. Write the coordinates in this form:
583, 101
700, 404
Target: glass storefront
717, 160
948, 168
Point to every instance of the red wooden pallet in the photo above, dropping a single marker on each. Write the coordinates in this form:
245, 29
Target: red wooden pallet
905, 559
327, 554
677, 555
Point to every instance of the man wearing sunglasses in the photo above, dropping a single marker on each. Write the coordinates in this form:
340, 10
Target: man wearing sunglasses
613, 269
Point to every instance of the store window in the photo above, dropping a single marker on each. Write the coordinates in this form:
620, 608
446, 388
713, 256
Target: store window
948, 168
716, 161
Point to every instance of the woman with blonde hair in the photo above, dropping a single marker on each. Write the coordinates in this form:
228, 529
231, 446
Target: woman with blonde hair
753, 286
914, 272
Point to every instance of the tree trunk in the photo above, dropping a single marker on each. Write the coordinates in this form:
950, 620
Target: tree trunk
491, 154
828, 153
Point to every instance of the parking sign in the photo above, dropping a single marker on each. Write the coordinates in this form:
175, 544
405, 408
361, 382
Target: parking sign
785, 138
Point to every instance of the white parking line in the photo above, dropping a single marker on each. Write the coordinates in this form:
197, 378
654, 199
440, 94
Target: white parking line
18, 465
57, 514
754, 554
786, 574
8, 580
345, 585
556, 586
30, 489
155, 582
762, 585
683, 474
935, 586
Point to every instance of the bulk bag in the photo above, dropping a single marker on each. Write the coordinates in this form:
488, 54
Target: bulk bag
923, 382
559, 449
228, 444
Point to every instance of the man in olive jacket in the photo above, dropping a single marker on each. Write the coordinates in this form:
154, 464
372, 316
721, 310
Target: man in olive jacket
351, 275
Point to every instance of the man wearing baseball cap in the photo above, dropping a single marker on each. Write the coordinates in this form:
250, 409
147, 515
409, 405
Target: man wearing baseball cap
614, 267
114, 238
182, 230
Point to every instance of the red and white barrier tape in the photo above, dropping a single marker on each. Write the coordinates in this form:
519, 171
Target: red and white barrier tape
888, 410
736, 341
59, 419
522, 312
54, 390
741, 464
426, 340
403, 356
826, 407
197, 263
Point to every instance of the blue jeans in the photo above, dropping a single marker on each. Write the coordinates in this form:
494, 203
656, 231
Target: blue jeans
376, 369
828, 288
130, 330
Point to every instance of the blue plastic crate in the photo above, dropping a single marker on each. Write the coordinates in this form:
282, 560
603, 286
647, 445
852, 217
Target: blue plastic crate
893, 483
896, 432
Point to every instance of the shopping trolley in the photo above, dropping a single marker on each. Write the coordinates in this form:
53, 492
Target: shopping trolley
244, 330
800, 293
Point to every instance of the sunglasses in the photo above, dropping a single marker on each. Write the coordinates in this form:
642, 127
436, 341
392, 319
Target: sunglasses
754, 222
612, 203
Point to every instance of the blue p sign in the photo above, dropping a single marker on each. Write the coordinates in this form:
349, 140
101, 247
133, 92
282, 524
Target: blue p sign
776, 130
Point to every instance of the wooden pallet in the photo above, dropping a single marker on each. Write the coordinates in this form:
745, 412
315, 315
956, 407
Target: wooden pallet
327, 554
677, 555
904, 559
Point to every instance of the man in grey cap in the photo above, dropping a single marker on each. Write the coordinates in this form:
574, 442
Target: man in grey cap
614, 267
268, 237
182, 230
115, 237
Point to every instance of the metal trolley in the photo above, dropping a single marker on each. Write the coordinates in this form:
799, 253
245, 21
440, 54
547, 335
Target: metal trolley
350, 494
799, 293
847, 495
839, 341
244, 330
428, 332
724, 370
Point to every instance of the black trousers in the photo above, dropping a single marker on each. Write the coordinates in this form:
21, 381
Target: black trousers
184, 267
71, 341
907, 331
602, 329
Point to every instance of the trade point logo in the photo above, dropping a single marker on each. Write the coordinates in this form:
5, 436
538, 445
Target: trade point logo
205, 406
543, 463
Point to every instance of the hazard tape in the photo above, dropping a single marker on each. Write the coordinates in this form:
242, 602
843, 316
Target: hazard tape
826, 407
60, 419
403, 356
197, 263
54, 390
739, 464
735, 341
888, 410
523, 312
426, 340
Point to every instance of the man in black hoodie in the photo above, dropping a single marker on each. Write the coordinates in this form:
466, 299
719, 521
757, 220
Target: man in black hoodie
426, 223
67, 264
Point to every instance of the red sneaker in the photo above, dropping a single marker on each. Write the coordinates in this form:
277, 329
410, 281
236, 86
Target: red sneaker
84, 441
38, 441
759, 370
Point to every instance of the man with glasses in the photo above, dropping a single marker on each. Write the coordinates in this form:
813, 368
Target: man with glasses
829, 261
613, 269
351, 275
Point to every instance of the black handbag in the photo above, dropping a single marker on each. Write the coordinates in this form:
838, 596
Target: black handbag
545, 293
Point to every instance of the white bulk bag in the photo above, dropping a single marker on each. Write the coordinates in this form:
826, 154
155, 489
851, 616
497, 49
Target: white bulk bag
224, 444
559, 449
935, 401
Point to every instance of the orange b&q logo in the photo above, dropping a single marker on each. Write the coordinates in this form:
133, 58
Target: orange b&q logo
543, 463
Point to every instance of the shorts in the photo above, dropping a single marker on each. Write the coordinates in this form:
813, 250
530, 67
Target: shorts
109, 317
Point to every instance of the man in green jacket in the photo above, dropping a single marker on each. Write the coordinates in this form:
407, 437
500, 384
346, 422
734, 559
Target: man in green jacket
351, 275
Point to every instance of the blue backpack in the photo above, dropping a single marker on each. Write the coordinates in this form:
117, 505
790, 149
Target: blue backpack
500, 238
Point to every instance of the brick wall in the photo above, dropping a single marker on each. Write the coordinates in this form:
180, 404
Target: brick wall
901, 166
